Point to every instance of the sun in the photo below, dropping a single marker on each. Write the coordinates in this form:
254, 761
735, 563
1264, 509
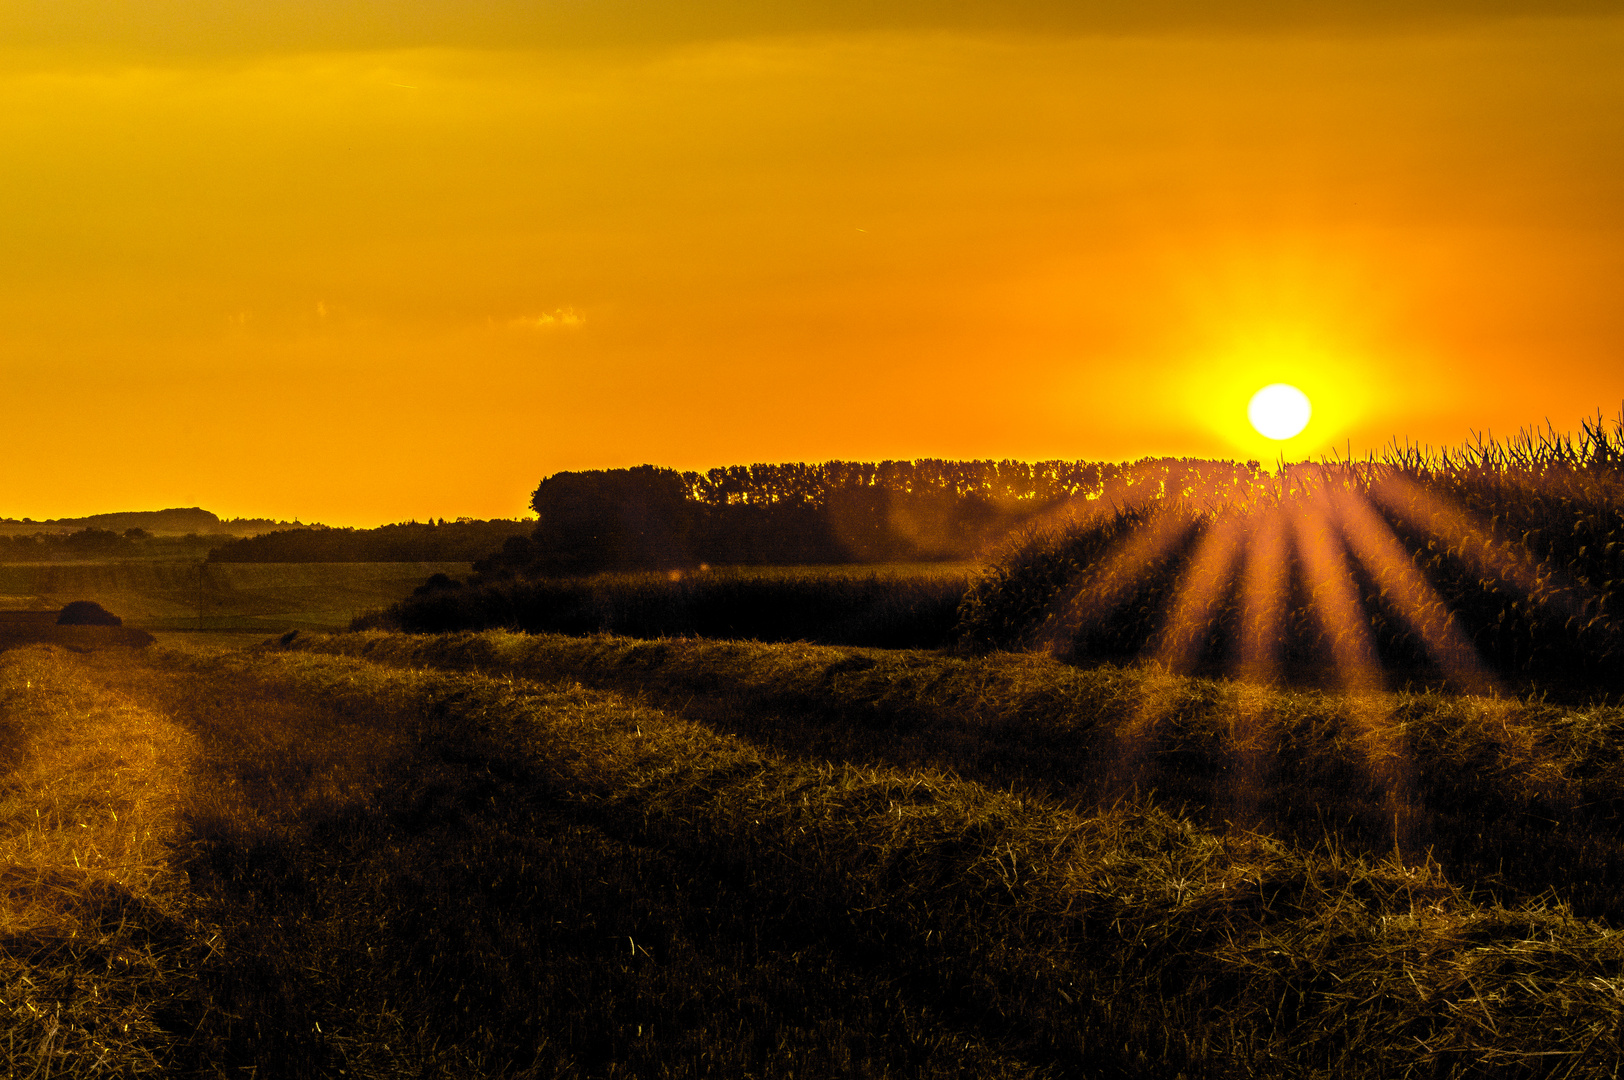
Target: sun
1279, 411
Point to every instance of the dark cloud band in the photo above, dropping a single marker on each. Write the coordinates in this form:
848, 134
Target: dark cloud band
212, 27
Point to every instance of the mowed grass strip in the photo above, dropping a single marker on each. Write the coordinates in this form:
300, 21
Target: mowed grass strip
96, 937
1513, 797
1124, 941
402, 891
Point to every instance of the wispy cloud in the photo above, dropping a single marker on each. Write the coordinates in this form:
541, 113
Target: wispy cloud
557, 319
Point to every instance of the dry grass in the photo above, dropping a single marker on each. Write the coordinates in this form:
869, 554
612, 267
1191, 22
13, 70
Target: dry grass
405, 870
94, 931
1515, 796
395, 899
268, 597
1125, 941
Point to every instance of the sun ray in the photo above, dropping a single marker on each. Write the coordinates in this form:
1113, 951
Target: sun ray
1200, 595
1476, 545
1264, 579
1417, 602
1334, 595
1263, 596
1383, 747
1093, 597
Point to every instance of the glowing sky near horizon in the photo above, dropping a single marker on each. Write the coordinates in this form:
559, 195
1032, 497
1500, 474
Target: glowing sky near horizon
359, 262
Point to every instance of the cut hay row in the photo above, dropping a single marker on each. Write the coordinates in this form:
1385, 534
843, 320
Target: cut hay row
95, 938
391, 904
1127, 939
1513, 795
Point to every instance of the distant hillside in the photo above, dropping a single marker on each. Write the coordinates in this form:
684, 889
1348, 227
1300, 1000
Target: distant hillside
178, 521
192, 519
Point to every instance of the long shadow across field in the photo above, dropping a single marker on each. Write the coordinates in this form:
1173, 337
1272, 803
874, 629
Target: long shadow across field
422, 872
1230, 757
1518, 797
395, 904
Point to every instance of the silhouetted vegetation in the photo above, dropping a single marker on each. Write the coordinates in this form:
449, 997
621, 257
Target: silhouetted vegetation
888, 610
1506, 555
87, 613
649, 518
621, 519
807, 515
460, 541
104, 545
1499, 559
154, 535
178, 521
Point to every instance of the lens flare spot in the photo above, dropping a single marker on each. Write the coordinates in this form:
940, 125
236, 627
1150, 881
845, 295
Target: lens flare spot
1279, 411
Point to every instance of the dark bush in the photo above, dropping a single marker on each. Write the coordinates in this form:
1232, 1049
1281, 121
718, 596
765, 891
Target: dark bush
93, 541
87, 613
518, 554
435, 583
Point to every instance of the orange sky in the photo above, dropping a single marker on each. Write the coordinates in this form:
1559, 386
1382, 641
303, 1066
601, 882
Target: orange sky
362, 262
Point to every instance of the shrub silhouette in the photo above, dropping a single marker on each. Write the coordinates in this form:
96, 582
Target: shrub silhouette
438, 581
87, 613
94, 541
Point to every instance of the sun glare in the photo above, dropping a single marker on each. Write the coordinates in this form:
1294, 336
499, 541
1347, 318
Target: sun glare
1279, 411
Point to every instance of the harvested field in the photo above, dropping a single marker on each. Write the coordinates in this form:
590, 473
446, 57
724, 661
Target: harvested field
19, 628
499, 855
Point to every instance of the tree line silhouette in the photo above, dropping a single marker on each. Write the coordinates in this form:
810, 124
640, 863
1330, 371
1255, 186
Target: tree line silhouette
411, 541
98, 544
651, 518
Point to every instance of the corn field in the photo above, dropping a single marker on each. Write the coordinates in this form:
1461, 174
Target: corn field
1492, 562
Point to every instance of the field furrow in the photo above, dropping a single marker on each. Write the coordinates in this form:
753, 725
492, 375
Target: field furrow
399, 892
1120, 940
398, 868
1515, 796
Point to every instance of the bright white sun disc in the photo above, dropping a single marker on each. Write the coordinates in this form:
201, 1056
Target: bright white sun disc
1279, 411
